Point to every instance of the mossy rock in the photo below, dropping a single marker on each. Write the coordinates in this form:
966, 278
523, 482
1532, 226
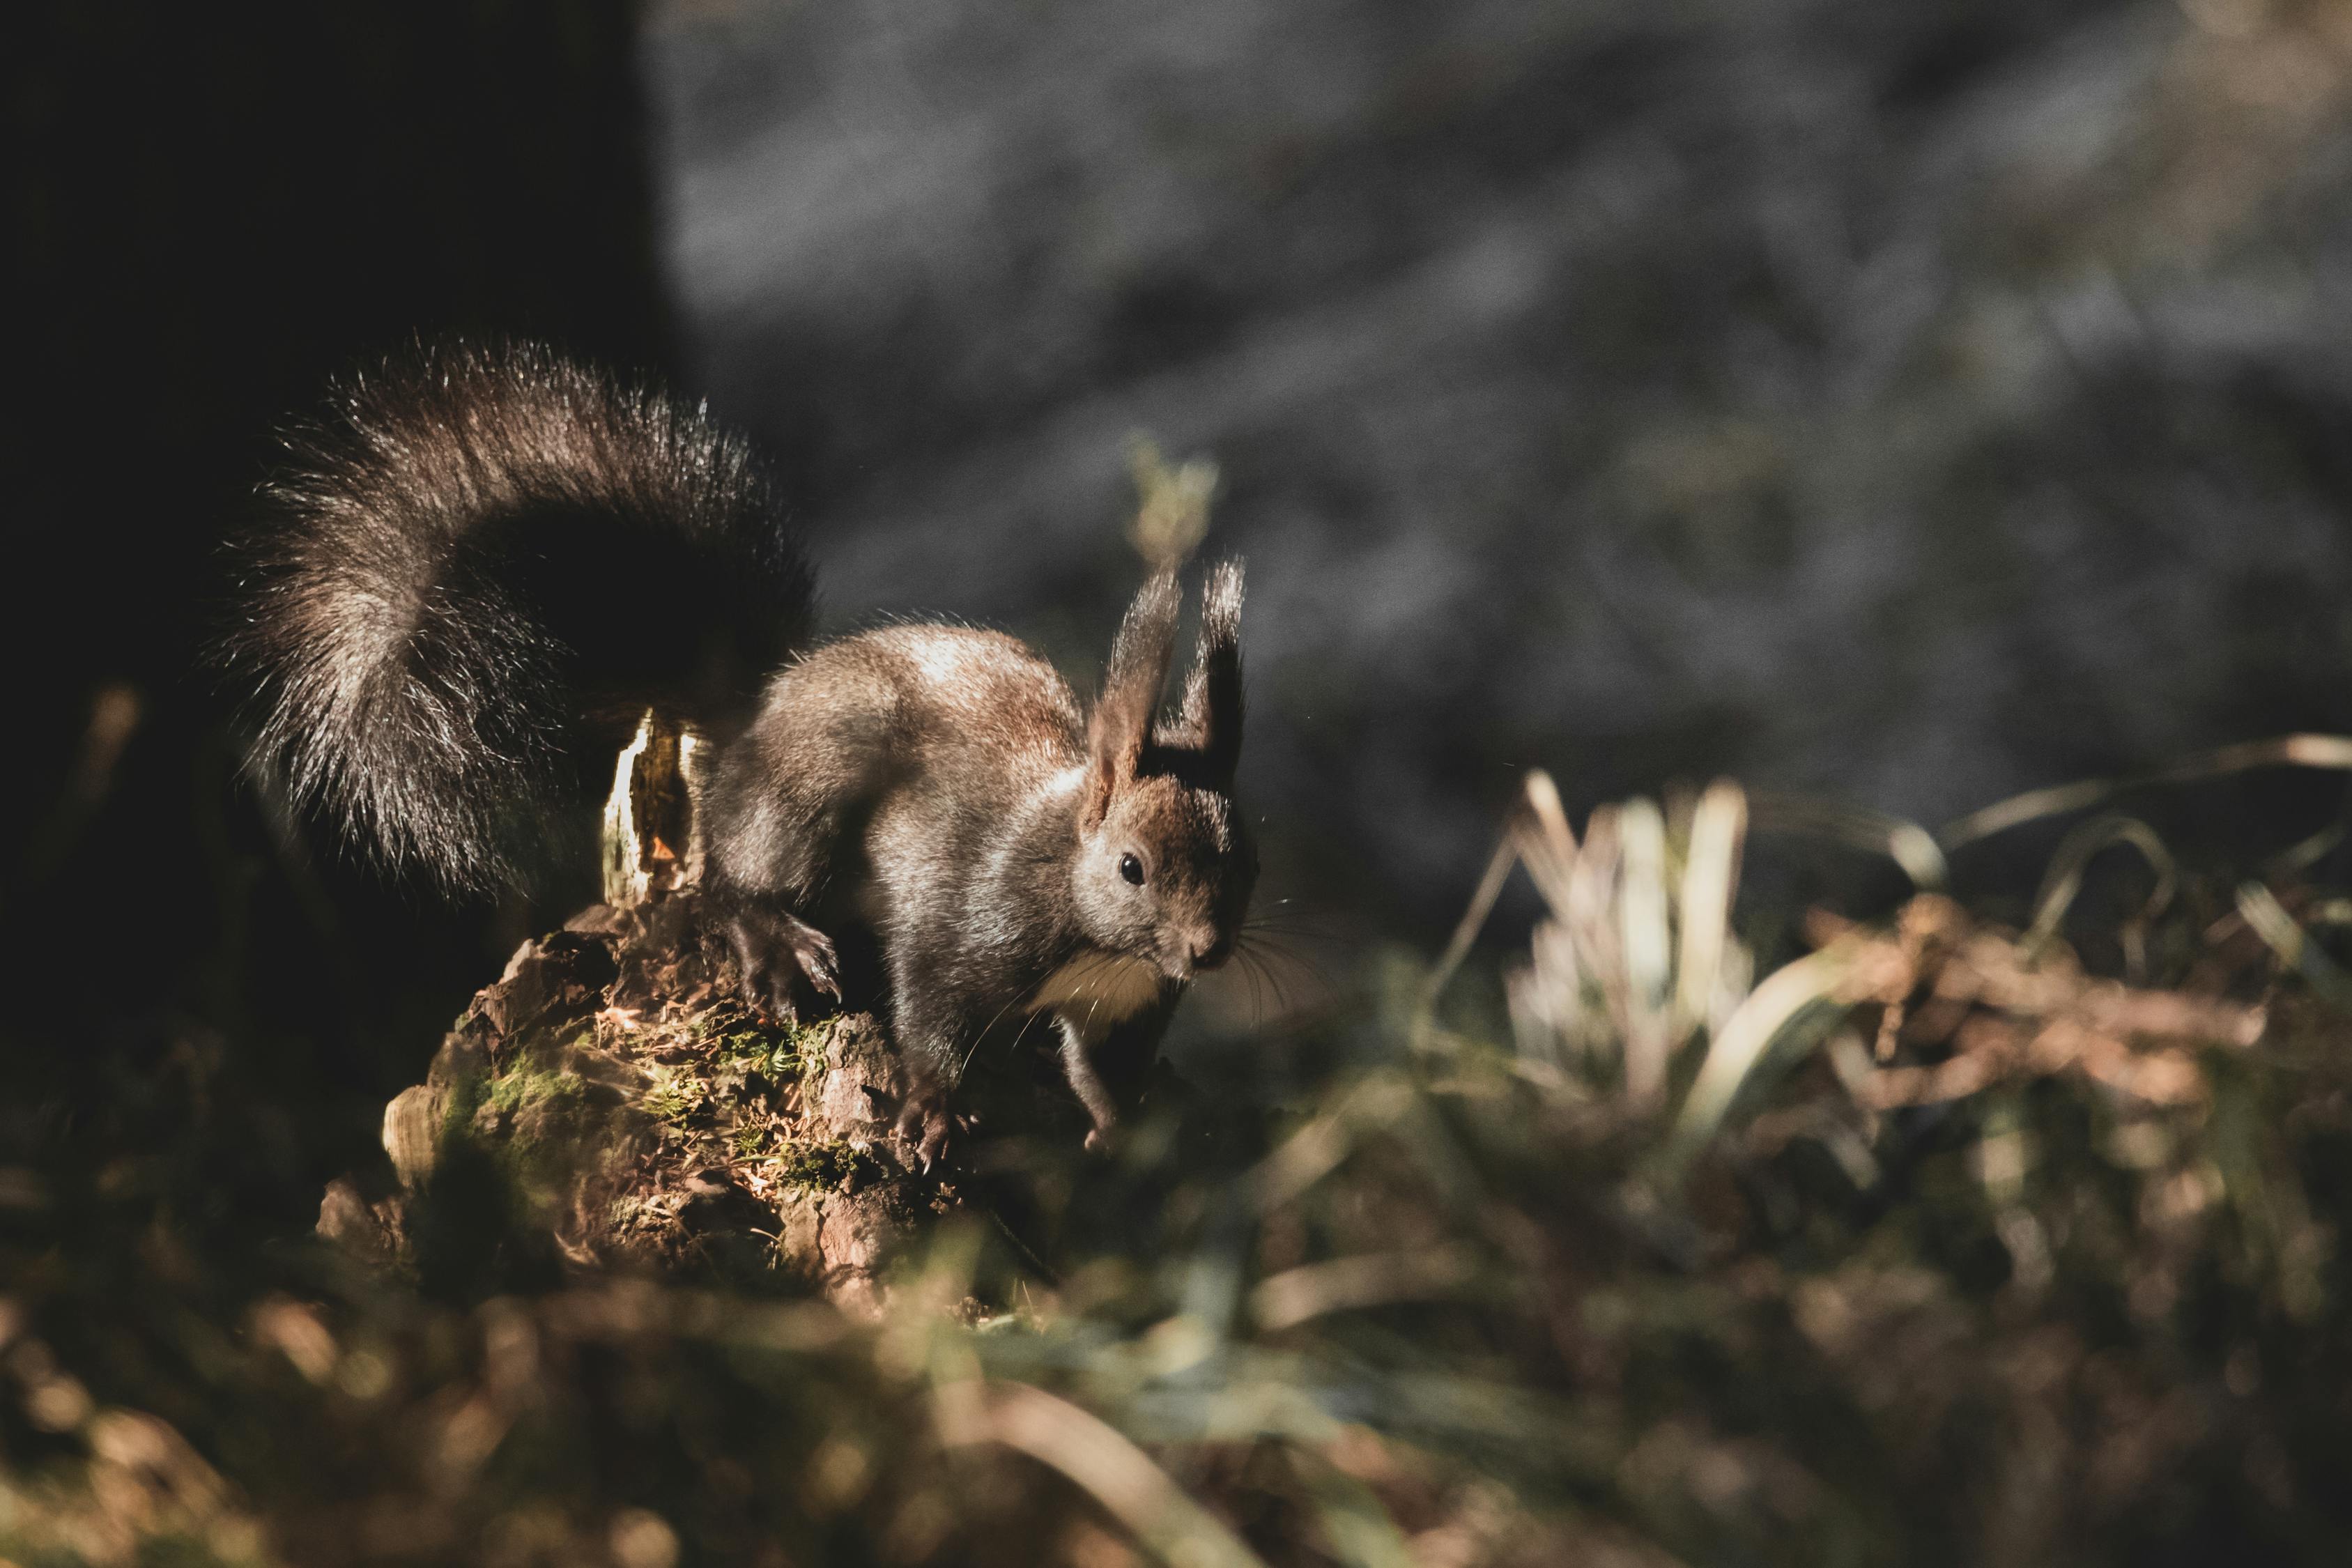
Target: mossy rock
609, 1104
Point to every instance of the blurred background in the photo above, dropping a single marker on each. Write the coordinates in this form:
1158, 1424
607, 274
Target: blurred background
1904, 408
1901, 406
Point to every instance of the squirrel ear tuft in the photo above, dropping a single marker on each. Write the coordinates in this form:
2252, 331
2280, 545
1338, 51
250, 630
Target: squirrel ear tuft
1213, 691
1121, 722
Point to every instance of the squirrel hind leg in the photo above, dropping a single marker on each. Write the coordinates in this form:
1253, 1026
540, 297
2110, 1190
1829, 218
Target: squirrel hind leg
784, 959
932, 1030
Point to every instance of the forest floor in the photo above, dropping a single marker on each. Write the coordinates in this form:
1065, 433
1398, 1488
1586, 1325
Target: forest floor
1935, 1238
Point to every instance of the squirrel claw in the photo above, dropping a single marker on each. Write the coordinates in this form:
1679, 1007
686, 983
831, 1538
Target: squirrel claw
761, 945
924, 1121
819, 965
770, 996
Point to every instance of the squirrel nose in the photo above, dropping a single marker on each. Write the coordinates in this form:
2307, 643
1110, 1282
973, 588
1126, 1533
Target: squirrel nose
1209, 949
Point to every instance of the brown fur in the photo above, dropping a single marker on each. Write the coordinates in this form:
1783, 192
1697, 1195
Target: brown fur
431, 614
941, 788
431, 624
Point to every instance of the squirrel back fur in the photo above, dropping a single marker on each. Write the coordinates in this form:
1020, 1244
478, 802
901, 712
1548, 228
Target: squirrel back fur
464, 576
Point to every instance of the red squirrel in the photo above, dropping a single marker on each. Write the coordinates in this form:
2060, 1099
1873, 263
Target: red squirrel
429, 619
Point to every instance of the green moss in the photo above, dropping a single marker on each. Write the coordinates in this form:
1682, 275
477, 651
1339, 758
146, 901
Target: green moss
826, 1166
466, 1093
674, 1096
519, 1088
736, 1039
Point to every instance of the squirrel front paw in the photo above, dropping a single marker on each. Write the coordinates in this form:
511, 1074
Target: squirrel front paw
924, 1122
773, 948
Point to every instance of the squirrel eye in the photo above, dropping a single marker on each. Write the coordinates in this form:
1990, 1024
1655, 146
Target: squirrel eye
1131, 868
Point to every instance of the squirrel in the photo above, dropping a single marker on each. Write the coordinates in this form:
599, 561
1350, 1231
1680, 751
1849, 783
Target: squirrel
426, 618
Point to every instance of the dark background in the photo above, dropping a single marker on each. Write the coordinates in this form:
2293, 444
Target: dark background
210, 214
1902, 406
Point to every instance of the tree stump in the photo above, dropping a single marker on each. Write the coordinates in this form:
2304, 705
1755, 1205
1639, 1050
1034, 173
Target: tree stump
611, 1102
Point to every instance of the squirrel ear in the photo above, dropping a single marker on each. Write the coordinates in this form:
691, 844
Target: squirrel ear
1213, 691
1121, 722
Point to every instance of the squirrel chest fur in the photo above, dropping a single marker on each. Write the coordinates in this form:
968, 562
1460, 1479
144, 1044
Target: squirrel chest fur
425, 621
1105, 986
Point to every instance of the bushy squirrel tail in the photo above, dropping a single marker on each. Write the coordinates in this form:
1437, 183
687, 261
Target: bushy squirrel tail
478, 563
